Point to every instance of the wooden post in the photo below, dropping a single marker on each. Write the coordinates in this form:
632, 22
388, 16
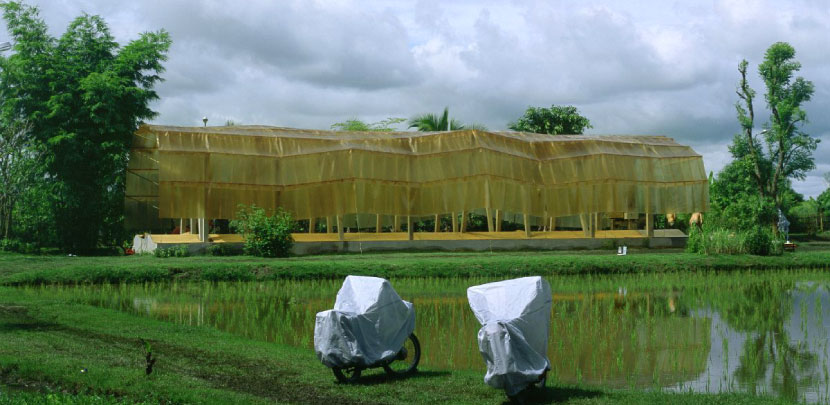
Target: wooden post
649, 225
329, 225
527, 225
595, 223
340, 227
192, 226
312, 222
552, 224
181, 226
396, 226
437, 223
498, 220
455, 223
202, 229
409, 231
463, 221
487, 206
377, 224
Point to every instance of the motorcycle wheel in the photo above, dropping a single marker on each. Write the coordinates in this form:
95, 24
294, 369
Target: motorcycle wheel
346, 375
406, 362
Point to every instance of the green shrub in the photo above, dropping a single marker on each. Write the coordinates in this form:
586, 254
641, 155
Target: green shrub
221, 249
265, 236
175, 251
695, 242
716, 240
758, 241
17, 246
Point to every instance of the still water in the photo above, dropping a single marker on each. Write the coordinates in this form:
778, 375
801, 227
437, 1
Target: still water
751, 332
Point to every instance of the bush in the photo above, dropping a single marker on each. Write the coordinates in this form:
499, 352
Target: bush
265, 236
15, 245
221, 249
175, 251
715, 240
758, 242
695, 242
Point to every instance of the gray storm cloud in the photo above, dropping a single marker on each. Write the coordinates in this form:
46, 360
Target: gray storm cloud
647, 67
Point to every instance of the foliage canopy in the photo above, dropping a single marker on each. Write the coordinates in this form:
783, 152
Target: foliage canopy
354, 124
554, 120
432, 123
84, 96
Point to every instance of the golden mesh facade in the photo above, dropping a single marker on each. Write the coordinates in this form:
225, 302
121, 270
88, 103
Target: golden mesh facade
197, 172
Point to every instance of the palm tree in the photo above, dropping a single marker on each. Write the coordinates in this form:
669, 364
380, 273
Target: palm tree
433, 123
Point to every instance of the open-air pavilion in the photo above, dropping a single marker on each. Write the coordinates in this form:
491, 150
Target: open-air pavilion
372, 187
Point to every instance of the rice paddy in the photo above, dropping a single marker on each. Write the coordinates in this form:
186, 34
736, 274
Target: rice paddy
756, 332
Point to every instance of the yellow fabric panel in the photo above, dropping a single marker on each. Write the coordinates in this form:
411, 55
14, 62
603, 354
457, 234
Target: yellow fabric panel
208, 172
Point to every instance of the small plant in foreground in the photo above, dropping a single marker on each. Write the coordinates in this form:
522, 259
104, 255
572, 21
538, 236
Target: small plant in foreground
150, 360
265, 236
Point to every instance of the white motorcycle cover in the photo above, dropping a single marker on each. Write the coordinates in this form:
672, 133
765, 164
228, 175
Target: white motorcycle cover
369, 324
513, 339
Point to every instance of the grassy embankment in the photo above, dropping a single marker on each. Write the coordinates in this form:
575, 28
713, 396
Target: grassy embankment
46, 342
21, 269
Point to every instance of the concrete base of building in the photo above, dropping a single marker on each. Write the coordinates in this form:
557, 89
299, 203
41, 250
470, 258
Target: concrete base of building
473, 242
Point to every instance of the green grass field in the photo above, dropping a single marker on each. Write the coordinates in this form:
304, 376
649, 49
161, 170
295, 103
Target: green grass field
23, 269
56, 350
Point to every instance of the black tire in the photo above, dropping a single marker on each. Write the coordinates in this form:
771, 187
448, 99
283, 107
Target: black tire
543, 379
346, 375
407, 360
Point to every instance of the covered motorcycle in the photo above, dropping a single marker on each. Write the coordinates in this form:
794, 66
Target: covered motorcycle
513, 339
370, 326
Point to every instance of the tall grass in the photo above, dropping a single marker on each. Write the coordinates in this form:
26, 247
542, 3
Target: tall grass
714, 240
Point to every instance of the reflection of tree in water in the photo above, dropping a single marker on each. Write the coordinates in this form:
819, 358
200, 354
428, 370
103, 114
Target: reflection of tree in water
761, 310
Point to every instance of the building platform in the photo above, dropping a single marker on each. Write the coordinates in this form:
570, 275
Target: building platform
315, 243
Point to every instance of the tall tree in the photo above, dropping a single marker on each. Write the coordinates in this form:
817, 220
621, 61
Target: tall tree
430, 123
84, 96
15, 170
789, 150
554, 120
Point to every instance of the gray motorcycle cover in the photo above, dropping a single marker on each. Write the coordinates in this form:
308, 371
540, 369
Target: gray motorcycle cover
513, 339
369, 324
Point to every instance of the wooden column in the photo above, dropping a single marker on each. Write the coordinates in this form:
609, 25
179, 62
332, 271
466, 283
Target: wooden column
192, 226
181, 226
487, 206
498, 220
312, 222
552, 224
396, 226
649, 225
592, 218
202, 229
463, 221
409, 231
437, 227
455, 222
340, 228
329, 225
377, 224
527, 225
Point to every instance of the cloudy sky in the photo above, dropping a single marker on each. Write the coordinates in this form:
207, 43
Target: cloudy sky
645, 67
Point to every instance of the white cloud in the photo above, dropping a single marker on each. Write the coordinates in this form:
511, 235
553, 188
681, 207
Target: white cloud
650, 67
